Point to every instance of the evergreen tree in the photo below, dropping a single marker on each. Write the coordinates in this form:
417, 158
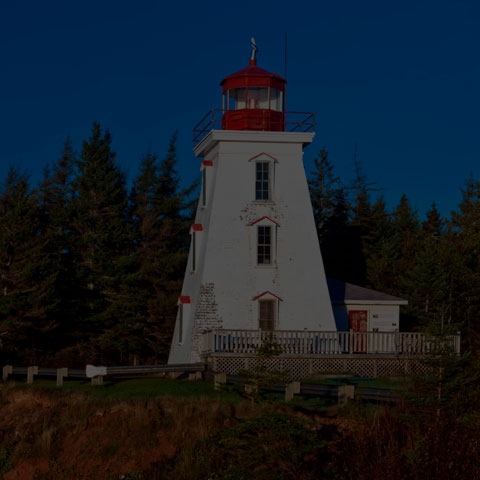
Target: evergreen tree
101, 247
22, 312
148, 215
55, 213
360, 189
378, 248
162, 218
427, 281
405, 231
465, 242
325, 190
360, 224
331, 216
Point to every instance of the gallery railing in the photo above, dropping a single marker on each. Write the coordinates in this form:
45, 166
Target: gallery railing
290, 122
305, 342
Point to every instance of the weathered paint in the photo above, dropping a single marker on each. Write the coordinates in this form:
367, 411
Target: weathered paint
227, 282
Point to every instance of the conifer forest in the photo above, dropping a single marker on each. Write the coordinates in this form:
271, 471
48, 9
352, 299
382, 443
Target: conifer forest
91, 269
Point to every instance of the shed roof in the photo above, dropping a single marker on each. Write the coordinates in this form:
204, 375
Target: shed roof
347, 293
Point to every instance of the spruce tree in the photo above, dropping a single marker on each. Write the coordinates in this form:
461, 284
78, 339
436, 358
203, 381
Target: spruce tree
465, 241
101, 247
22, 310
55, 206
161, 217
379, 251
330, 210
360, 224
427, 282
147, 216
325, 190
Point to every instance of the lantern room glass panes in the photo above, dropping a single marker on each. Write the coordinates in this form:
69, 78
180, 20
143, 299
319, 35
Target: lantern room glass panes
257, 97
262, 181
264, 245
236, 98
276, 99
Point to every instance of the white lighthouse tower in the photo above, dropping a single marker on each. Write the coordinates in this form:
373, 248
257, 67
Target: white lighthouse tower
254, 260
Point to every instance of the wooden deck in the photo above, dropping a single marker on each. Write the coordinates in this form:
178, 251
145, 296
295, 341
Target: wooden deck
311, 343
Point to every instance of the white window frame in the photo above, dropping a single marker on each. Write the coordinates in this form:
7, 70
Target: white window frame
194, 252
274, 311
180, 323
183, 310
254, 232
204, 188
265, 245
264, 158
195, 230
269, 296
269, 181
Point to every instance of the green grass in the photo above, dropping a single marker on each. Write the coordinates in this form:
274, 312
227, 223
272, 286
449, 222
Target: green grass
139, 387
387, 383
125, 388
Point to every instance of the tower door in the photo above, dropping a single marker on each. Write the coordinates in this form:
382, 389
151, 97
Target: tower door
266, 317
358, 323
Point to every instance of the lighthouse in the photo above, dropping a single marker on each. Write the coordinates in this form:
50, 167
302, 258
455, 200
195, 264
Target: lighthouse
254, 262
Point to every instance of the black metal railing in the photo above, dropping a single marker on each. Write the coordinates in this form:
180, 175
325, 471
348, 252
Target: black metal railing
291, 122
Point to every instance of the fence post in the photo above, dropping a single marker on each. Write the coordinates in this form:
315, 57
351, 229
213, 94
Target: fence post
345, 393
31, 371
97, 380
6, 370
61, 372
219, 379
291, 389
251, 388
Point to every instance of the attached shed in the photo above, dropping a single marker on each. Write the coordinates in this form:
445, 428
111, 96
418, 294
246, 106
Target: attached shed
362, 309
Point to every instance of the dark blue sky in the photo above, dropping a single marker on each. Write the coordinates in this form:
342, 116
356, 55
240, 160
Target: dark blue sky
399, 79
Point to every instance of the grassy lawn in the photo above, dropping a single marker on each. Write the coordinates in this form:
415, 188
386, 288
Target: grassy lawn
387, 383
149, 387
139, 387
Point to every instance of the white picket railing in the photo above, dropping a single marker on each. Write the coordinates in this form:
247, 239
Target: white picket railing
305, 342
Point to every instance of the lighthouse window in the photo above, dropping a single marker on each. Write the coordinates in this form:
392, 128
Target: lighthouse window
180, 323
236, 98
262, 182
276, 99
194, 252
266, 314
257, 97
204, 187
264, 245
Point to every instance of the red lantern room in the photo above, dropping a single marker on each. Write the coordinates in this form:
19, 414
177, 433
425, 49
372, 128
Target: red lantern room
253, 99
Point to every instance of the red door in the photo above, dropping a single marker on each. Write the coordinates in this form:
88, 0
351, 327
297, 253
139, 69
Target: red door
358, 323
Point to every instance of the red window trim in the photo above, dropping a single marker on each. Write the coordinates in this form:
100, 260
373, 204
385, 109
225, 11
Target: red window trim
267, 293
260, 154
264, 218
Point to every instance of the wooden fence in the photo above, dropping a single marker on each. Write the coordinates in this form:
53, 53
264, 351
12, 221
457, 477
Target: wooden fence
97, 379
305, 342
342, 393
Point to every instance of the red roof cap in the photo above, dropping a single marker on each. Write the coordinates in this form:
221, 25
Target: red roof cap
253, 76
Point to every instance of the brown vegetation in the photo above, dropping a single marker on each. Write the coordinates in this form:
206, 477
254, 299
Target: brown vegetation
49, 435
